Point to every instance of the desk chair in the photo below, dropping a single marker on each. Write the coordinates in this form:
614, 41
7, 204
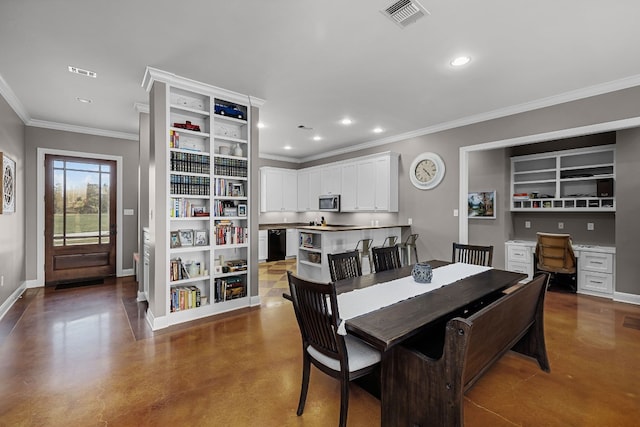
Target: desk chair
472, 254
386, 258
406, 247
344, 265
365, 251
343, 357
554, 254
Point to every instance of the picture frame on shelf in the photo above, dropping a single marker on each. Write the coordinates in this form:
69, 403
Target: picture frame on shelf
201, 238
242, 209
174, 241
186, 237
481, 205
237, 190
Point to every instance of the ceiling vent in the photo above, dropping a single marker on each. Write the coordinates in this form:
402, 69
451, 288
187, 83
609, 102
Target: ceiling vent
80, 71
405, 12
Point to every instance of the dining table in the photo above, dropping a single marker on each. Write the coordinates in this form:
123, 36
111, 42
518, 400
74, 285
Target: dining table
392, 324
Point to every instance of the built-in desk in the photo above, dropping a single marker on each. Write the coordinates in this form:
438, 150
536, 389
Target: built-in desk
596, 265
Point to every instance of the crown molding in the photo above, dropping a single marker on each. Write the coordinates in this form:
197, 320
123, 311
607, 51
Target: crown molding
13, 101
574, 95
279, 158
81, 129
141, 108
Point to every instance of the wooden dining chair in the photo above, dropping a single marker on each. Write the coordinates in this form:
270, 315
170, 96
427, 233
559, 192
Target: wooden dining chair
472, 254
386, 258
344, 265
343, 357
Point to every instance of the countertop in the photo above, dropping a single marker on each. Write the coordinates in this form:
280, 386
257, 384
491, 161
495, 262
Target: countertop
328, 228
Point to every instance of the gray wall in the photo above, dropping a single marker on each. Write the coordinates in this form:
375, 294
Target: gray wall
60, 140
12, 225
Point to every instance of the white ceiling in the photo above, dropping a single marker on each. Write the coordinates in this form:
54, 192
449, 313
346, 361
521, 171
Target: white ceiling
315, 62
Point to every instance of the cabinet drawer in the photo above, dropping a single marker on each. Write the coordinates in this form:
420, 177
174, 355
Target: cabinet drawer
520, 267
519, 253
595, 282
593, 261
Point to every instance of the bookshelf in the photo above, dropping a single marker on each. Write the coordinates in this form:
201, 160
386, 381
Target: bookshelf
203, 236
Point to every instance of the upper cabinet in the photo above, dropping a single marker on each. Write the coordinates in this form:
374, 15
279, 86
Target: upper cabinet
309, 181
370, 184
278, 190
582, 179
331, 179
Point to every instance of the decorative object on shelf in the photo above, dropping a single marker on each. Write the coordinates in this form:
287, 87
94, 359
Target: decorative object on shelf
422, 272
225, 150
242, 209
482, 205
187, 125
426, 171
186, 237
201, 238
237, 150
224, 108
7, 184
175, 240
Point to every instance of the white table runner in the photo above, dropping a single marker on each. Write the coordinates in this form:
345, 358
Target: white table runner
360, 301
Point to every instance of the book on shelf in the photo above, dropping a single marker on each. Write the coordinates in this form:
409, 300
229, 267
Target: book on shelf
228, 288
185, 298
177, 270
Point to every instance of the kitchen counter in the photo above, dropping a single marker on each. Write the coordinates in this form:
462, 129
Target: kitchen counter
334, 227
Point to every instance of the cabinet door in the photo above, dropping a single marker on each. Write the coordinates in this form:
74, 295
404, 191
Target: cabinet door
263, 248
348, 197
292, 242
365, 187
331, 180
271, 198
314, 189
382, 184
303, 191
289, 191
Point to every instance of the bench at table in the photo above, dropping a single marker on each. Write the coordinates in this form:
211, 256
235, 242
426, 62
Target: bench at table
421, 388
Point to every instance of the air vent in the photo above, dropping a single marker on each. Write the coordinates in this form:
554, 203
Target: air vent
405, 12
80, 71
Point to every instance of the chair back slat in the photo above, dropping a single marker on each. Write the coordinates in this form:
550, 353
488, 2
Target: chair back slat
472, 254
344, 265
316, 308
386, 258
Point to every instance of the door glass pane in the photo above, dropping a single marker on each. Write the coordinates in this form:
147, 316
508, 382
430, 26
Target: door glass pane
58, 204
105, 221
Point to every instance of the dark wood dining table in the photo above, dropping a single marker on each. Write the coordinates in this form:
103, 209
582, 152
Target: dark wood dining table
391, 325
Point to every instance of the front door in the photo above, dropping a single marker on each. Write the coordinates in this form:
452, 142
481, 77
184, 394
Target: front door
80, 218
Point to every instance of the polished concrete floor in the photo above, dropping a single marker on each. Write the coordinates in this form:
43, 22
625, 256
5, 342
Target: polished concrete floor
85, 357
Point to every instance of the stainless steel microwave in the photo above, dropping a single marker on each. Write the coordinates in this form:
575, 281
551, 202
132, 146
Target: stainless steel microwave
329, 202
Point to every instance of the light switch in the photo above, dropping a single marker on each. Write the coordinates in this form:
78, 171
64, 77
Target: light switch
455, 212
527, 224
410, 221
590, 226
561, 226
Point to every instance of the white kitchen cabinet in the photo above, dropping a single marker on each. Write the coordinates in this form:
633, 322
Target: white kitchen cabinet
370, 184
331, 179
292, 243
263, 245
279, 190
309, 187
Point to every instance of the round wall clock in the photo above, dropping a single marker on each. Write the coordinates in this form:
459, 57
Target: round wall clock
427, 171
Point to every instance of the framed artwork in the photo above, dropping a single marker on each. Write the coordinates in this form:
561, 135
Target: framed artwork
482, 205
174, 240
201, 238
242, 210
186, 237
7, 184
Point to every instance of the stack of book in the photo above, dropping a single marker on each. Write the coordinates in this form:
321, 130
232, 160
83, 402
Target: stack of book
228, 288
184, 298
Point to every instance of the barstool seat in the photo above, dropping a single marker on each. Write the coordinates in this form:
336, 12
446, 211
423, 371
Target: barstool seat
364, 248
407, 247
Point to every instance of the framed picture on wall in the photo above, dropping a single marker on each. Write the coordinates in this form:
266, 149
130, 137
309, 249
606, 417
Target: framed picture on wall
481, 205
7, 184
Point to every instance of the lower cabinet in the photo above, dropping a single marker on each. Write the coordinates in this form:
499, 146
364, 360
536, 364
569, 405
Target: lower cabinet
292, 243
596, 265
263, 245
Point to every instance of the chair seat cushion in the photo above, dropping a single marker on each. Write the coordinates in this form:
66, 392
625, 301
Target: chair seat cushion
361, 355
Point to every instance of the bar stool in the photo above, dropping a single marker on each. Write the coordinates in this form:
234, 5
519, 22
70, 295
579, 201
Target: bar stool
406, 247
364, 248
391, 239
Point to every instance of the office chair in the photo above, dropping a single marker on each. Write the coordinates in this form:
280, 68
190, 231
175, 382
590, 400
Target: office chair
554, 254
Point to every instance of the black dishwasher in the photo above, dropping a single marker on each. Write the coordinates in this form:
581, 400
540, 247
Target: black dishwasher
277, 244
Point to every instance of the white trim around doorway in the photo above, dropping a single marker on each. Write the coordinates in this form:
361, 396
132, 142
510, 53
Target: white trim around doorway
40, 207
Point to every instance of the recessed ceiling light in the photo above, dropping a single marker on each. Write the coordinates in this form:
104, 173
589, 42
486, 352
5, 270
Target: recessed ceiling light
378, 130
460, 61
84, 100
260, 125
317, 138
346, 121
287, 147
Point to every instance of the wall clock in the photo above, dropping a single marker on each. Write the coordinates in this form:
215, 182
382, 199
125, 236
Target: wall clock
427, 171
8, 184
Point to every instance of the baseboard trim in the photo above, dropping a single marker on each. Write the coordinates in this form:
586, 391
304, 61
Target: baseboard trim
127, 272
628, 298
141, 296
35, 283
6, 306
